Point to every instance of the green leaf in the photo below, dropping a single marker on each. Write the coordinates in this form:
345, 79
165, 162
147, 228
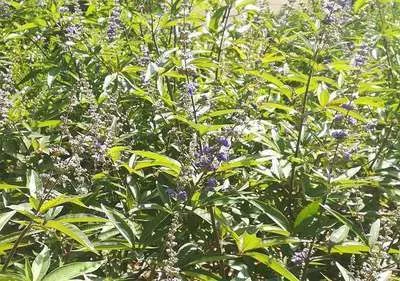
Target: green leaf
309, 211
323, 97
215, 18
277, 106
348, 174
204, 63
339, 235
73, 232
41, 264
350, 247
34, 184
48, 123
370, 101
11, 277
72, 270
345, 221
273, 213
159, 160
243, 162
274, 265
119, 222
246, 242
374, 232
358, 4
4, 218
73, 218
208, 259
6, 186
345, 274
61, 200
273, 80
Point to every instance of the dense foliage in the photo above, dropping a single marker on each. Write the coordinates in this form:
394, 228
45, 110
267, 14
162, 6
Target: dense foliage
199, 140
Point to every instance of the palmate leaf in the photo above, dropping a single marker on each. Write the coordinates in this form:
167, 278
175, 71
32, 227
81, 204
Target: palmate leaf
274, 264
72, 270
73, 232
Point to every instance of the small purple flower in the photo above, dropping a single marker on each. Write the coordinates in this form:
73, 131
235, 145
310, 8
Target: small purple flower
73, 32
182, 195
352, 121
339, 134
212, 182
338, 117
347, 155
171, 193
191, 88
223, 156
347, 106
300, 257
223, 141
63, 10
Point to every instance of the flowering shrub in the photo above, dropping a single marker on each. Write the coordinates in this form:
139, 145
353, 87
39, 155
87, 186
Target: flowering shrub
199, 140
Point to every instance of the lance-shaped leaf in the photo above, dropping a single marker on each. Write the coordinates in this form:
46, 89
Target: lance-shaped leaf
41, 264
34, 184
72, 270
61, 200
374, 232
4, 218
120, 223
339, 235
73, 232
274, 264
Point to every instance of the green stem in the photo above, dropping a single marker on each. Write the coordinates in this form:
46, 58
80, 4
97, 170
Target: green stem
217, 241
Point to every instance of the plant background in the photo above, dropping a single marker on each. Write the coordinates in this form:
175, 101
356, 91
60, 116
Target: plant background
199, 140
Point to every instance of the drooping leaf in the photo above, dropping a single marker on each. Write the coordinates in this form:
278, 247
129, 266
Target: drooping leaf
247, 242
5, 217
274, 265
41, 264
120, 223
72, 270
309, 211
374, 232
339, 235
72, 232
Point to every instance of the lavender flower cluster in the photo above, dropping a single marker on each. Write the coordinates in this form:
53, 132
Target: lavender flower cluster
114, 22
300, 257
6, 90
361, 56
209, 158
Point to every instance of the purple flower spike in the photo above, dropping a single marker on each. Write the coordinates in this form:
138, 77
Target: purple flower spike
212, 182
223, 156
339, 134
223, 141
347, 106
191, 88
182, 195
338, 117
